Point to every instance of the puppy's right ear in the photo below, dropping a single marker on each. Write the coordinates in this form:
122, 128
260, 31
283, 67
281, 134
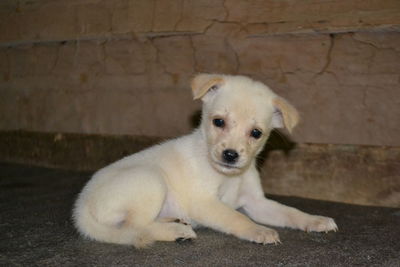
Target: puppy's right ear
285, 115
203, 83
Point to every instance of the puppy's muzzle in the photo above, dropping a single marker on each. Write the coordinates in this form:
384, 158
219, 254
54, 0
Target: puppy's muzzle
230, 156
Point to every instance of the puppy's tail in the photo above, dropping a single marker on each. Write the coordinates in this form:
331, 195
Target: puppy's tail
89, 227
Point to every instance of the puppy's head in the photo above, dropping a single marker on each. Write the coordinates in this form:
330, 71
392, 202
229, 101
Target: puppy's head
238, 115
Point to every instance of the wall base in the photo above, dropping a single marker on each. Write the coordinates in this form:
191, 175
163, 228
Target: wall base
363, 175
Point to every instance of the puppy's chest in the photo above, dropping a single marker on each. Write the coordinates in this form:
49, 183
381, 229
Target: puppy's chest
228, 192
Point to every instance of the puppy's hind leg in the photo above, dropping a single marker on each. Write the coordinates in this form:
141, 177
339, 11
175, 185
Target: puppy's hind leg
157, 231
171, 231
124, 209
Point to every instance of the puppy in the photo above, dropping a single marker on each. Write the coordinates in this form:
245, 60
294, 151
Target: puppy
201, 178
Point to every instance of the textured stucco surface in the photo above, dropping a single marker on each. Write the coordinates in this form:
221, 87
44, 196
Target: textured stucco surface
44, 20
123, 67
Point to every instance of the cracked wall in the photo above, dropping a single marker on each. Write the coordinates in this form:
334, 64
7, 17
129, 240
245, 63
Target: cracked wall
123, 67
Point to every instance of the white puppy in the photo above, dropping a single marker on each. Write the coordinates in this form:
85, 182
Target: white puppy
201, 178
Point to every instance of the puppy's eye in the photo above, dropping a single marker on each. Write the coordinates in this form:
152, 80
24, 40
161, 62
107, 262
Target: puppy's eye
255, 133
220, 123
214, 87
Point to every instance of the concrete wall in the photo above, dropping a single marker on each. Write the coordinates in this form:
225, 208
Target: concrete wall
123, 67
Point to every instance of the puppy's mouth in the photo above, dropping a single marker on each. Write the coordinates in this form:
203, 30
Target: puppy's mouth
228, 166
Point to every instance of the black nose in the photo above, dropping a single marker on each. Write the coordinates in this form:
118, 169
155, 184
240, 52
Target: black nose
230, 156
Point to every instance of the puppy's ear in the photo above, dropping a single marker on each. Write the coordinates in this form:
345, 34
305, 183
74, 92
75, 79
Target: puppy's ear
285, 115
203, 83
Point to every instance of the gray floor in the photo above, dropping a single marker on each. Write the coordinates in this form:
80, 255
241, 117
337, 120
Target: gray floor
36, 230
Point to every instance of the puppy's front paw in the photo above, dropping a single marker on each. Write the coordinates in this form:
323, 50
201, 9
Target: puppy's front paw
262, 235
320, 224
183, 232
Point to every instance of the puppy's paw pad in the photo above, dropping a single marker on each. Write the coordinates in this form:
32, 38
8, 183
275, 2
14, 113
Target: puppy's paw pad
262, 235
183, 232
182, 240
321, 224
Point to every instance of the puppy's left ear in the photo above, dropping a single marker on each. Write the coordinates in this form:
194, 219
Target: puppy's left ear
203, 83
285, 115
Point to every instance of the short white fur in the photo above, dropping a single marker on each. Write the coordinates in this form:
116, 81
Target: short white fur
137, 199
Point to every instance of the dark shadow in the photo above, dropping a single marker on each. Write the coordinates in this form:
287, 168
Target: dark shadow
276, 141
195, 119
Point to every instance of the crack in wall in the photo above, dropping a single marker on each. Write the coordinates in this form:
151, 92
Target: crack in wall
282, 79
371, 21
182, 5
215, 21
56, 60
76, 56
191, 43
328, 55
369, 64
208, 27
364, 42
235, 54
158, 60
226, 9
153, 16
155, 35
112, 14
104, 55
